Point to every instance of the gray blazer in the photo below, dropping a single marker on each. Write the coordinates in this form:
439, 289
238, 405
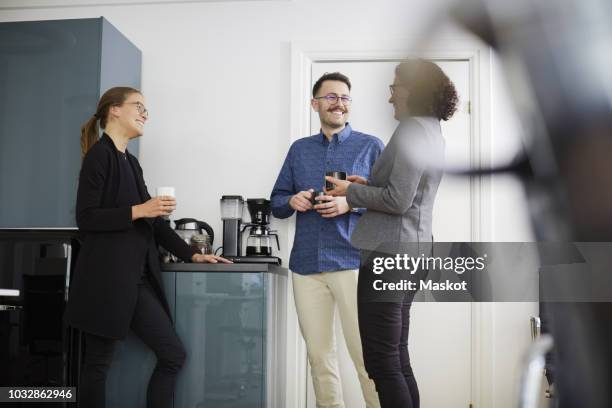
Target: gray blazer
400, 194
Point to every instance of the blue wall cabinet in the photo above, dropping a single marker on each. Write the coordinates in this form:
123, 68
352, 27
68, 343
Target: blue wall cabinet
52, 74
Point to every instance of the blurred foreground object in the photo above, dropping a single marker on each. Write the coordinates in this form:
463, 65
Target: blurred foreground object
557, 56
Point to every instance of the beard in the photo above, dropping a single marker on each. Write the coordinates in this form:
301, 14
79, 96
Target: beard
330, 121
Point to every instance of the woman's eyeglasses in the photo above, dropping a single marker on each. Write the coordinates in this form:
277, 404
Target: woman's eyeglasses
393, 88
140, 107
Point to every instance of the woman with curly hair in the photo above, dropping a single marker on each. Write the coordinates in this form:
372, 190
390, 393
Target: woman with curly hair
399, 198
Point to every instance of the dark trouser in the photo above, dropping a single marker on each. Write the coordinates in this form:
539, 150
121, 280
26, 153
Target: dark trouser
384, 337
153, 326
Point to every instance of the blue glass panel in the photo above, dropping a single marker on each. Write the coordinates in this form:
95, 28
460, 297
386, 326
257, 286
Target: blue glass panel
221, 319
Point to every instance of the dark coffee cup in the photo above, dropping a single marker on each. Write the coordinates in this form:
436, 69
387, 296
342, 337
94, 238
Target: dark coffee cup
340, 175
316, 194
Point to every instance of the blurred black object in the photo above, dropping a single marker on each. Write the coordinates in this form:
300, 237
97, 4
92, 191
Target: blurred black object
557, 57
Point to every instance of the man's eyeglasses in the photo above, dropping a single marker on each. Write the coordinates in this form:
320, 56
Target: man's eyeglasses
140, 107
333, 98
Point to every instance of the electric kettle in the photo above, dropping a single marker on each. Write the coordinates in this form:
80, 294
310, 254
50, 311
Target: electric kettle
195, 233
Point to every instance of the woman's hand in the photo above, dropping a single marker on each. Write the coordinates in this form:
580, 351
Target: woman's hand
155, 207
334, 207
340, 186
200, 258
357, 179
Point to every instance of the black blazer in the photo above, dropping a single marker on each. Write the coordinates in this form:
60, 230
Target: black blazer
103, 291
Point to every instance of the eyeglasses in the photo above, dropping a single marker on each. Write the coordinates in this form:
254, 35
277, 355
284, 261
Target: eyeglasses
333, 98
393, 88
140, 107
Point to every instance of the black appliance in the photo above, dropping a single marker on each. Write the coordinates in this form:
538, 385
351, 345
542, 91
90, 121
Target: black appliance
259, 241
231, 214
36, 348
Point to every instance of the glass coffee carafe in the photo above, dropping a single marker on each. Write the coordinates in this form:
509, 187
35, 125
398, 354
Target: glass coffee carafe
259, 245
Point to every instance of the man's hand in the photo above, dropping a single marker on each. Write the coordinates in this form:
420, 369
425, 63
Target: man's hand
155, 207
335, 207
340, 186
301, 201
357, 179
200, 258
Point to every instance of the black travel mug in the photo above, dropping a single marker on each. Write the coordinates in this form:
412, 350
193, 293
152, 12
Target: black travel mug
340, 175
316, 194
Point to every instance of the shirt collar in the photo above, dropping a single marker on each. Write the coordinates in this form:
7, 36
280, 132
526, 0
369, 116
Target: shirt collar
342, 135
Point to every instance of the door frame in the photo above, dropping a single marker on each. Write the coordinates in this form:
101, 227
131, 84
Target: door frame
479, 56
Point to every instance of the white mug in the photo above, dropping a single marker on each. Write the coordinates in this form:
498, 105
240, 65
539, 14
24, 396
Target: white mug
165, 191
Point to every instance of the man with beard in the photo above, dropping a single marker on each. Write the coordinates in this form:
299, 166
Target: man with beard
324, 265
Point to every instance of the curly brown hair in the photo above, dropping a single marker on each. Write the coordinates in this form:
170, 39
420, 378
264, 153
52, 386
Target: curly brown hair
431, 92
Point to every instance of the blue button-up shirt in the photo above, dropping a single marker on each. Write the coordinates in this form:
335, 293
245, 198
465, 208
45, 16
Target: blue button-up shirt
323, 244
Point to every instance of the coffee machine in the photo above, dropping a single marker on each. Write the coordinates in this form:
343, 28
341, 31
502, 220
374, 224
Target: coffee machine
259, 241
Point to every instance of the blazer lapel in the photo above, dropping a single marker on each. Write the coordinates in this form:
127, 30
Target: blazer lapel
142, 190
140, 184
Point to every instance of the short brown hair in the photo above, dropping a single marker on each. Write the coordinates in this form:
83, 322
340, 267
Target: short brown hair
431, 92
330, 76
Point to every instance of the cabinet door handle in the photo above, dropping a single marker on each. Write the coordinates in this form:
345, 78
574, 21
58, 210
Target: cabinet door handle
9, 292
68, 252
5, 308
536, 327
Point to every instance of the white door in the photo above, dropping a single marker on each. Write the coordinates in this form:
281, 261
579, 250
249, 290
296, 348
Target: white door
440, 333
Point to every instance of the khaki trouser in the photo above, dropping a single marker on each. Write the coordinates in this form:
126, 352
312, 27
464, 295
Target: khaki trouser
316, 297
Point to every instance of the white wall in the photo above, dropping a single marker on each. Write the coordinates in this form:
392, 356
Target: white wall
216, 79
